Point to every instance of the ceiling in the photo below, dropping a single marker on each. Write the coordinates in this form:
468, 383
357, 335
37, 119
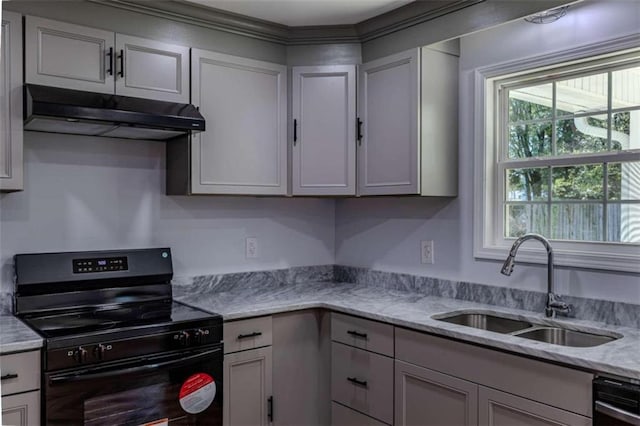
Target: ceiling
295, 13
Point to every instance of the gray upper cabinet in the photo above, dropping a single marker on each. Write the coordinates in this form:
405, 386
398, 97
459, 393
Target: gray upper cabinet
408, 105
11, 168
244, 102
66, 55
60, 54
151, 69
323, 146
388, 106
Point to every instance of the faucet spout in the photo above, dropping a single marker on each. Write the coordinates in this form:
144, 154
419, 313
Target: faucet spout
554, 302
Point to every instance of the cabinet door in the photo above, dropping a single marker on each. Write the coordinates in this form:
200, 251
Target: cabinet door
11, 102
503, 409
151, 69
22, 409
324, 114
247, 387
427, 398
244, 150
302, 343
389, 105
66, 55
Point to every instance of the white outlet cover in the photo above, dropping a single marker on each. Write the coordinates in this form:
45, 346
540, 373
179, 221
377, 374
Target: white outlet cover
426, 252
251, 248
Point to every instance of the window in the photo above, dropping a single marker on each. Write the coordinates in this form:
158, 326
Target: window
562, 159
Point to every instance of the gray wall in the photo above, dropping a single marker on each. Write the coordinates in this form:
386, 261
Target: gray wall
385, 233
87, 193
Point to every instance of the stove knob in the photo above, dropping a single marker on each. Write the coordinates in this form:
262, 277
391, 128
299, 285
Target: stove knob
80, 355
183, 338
98, 351
199, 336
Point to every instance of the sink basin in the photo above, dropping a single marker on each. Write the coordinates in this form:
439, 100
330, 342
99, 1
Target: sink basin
488, 322
564, 337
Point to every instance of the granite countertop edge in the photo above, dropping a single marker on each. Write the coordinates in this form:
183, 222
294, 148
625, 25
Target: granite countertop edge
417, 311
15, 336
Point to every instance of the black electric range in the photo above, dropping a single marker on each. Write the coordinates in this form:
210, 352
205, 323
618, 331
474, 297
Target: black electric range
117, 348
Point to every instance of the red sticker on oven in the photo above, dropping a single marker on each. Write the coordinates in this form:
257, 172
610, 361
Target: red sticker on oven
197, 393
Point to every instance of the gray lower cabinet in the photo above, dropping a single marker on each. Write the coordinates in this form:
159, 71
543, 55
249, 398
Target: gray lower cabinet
343, 416
20, 388
22, 409
247, 388
427, 398
302, 368
503, 409
11, 168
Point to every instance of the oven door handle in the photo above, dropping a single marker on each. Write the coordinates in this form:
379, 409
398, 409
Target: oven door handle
67, 378
617, 413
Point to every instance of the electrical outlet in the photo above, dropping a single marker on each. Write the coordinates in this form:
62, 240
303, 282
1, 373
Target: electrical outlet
426, 252
251, 248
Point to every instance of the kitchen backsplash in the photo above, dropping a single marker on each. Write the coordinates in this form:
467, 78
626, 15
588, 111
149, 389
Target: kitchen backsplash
616, 313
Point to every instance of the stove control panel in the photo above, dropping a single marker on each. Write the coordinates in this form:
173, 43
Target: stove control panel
103, 264
96, 351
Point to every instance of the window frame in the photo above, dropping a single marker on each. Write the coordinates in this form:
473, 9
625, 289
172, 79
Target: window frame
489, 188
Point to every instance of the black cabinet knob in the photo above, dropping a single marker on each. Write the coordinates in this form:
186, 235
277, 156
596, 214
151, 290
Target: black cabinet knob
199, 336
98, 351
183, 338
80, 355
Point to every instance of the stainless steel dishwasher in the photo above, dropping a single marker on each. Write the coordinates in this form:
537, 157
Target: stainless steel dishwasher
615, 402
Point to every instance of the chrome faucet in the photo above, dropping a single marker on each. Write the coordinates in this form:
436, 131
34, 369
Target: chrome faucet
554, 302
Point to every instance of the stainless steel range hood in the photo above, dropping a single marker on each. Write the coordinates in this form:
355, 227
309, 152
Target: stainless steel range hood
56, 110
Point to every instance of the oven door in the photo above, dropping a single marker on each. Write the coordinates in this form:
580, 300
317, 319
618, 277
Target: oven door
183, 388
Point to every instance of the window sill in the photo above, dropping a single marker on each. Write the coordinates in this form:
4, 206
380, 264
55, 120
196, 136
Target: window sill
627, 260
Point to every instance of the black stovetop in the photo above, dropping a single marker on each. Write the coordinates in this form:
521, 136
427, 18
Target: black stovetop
116, 319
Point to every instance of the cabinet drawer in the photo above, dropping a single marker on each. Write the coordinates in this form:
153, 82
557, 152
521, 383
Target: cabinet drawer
247, 334
540, 381
343, 416
362, 333
363, 381
20, 372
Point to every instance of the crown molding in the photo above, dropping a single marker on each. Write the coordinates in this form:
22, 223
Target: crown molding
202, 16
409, 15
220, 20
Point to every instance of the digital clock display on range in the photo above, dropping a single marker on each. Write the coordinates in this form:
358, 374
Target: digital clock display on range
104, 264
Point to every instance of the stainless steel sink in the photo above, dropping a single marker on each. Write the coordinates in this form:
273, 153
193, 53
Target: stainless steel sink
564, 337
488, 322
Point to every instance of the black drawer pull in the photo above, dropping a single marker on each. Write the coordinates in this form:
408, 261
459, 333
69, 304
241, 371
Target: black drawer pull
270, 409
357, 334
9, 377
357, 382
246, 336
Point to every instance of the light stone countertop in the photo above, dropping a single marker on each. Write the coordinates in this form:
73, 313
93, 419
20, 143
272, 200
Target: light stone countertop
15, 336
620, 357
